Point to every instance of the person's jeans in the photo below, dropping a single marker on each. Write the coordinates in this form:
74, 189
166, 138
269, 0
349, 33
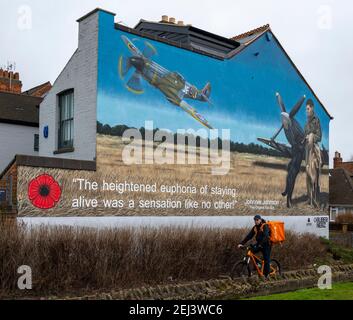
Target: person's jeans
266, 252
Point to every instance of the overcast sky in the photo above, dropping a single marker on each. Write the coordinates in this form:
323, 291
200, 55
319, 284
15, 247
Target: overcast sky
41, 35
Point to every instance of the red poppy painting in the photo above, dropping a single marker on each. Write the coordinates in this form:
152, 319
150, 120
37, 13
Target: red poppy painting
44, 192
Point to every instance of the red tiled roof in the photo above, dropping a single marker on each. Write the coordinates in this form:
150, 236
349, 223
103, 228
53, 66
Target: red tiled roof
252, 32
39, 91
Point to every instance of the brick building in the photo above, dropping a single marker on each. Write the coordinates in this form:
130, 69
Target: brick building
341, 187
19, 123
10, 82
339, 163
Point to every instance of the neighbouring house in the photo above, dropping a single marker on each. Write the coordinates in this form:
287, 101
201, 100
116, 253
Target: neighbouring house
341, 187
175, 76
19, 123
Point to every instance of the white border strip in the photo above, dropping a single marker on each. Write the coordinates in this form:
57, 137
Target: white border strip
317, 225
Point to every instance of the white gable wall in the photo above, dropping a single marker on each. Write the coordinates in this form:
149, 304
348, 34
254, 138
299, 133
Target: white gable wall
79, 74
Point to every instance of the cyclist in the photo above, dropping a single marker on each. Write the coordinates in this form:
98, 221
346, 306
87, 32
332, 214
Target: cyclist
261, 232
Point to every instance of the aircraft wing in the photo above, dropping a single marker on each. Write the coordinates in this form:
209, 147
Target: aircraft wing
287, 151
193, 112
282, 148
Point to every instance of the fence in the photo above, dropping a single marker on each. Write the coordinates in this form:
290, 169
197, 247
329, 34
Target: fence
343, 227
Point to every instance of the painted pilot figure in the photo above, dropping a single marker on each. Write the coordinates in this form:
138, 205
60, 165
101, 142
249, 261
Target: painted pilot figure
313, 161
295, 139
313, 134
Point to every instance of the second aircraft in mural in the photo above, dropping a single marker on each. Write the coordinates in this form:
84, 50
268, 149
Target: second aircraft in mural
172, 84
300, 149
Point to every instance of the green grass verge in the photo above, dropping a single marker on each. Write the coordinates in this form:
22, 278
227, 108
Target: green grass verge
338, 252
339, 291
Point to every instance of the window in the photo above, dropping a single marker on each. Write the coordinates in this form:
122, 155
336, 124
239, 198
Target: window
66, 120
333, 213
341, 210
36, 142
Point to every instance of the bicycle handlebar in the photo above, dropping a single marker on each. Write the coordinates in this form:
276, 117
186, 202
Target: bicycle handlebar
250, 247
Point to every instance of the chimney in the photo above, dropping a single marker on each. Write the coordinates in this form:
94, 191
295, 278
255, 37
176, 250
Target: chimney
165, 19
10, 82
337, 160
171, 20
88, 27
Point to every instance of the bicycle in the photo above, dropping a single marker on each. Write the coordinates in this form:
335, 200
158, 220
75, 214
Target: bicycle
251, 261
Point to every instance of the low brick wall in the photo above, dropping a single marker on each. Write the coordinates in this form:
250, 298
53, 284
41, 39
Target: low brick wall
226, 288
10, 174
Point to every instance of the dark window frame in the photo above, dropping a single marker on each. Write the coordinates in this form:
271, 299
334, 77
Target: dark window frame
66, 121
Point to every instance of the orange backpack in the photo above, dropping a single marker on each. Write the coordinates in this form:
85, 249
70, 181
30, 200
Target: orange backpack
277, 233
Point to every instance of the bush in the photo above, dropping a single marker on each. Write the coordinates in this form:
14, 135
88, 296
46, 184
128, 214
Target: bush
68, 259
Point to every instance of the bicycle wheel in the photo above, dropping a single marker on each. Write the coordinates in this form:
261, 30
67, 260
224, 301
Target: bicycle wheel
275, 267
240, 269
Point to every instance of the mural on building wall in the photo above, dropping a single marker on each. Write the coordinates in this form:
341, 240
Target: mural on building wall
257, 133
278, 137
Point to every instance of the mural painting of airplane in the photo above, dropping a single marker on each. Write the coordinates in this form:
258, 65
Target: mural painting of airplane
172, 84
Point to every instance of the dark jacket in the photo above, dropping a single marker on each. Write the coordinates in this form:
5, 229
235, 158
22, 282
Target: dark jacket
313, 126
261, 234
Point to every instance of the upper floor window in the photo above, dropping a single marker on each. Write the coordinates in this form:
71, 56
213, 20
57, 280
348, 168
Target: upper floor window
66, 120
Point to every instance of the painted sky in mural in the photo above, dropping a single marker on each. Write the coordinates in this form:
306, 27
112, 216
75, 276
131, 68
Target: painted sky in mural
243, 89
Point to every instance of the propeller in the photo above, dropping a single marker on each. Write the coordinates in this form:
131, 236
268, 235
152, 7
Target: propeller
149, 50
280, 102
134, 84
283, 109
136, 61
124, 66
277, 133
297, 107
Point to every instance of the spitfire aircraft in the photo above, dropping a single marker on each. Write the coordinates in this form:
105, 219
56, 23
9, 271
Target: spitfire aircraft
293, 131
173, 85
